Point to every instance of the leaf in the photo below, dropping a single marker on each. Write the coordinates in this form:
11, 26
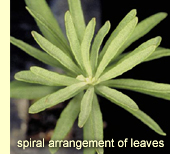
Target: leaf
78, 17
66, 120
97, 43
85, 45
138, 114
159, 53
93, 128
86, 106
56, 53
131, 15
41, 7
116, 97
22, 90
115, 45
28, 76
132, 59
143, 28
57, 97
142, 86
51, 30
73, 38
53, 77
38, 54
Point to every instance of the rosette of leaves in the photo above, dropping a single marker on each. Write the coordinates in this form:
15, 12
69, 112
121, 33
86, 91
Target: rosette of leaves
88, 72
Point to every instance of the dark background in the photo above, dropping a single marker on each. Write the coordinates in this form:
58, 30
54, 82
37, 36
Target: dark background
120, 124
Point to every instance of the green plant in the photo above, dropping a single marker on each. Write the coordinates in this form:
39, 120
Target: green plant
88, 73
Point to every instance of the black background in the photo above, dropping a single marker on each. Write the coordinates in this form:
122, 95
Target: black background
120, 124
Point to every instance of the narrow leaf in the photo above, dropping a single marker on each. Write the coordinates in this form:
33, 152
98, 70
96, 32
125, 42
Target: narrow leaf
42, 8
140, 115
78, 17
73, 38
86, 106
56, 53
57, 97
132, 59
131, 15
24, 90
85, 46
53, 77
159, 53
38, 54
143, 28
142, 86
115, 45
66, 121
93, 128
50, 29
97, 43
28, 76
117, 97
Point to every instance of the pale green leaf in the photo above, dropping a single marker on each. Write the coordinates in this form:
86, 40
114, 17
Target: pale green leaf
132, 59
38, 54
57, 40
97, 43
147, 87
115, 45
56, 53
143, 28
57, 97
159, 53
78, 17
53, 77
73, 38
86, 106
42, 8
66, 121
24, 90
116, 97
28, 76
137, 113
93, 128
85, 46
121, 25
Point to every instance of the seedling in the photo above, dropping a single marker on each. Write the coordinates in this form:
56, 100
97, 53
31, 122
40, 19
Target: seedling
87, 72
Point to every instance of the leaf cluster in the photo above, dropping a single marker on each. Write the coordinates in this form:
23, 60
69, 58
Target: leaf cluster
88, 72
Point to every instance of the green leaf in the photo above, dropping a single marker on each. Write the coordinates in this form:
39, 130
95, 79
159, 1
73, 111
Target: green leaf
38, 54
42, 8
116, 97
73, 38
56, 53
85, 45
143, 28
132, 59
28, 76
53, 77
159, 53
115, 45
142, 86
66, 120
57, 97
57, 39
93, 128
131, 15
78, 17
137, 113
86, 106
97, 43
24, 90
